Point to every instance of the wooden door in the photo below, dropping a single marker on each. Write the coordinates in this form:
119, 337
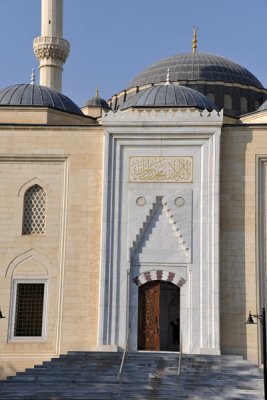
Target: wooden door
148, 317
169, 317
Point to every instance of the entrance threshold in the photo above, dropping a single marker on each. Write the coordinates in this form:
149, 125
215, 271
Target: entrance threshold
158, 352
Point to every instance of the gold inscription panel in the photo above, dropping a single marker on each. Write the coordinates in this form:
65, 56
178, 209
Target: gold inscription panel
161, 169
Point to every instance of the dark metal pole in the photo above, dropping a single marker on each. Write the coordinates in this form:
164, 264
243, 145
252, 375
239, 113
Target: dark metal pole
262, 319
263, 323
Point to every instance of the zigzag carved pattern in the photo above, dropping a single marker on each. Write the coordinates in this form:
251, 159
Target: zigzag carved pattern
177, 230
148, 226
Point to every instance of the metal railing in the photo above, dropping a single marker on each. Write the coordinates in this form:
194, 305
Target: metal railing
121, 371
181, 354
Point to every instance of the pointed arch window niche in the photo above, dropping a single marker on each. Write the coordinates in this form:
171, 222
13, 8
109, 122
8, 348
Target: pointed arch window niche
34, 211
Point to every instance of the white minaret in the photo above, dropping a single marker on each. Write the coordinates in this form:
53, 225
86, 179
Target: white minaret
50, 48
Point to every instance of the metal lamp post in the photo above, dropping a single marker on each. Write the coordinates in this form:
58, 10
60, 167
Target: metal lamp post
1, 315
262, 320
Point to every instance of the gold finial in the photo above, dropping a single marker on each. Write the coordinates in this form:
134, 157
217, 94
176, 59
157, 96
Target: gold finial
194, 41
97, 92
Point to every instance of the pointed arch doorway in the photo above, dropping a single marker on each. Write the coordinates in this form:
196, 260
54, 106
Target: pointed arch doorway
158, 316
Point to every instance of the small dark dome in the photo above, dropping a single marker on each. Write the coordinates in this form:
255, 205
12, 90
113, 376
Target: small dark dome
263, 107
171, 95
96, 101
196, 67
36, 95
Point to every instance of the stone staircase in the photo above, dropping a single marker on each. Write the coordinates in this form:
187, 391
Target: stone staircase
94, 375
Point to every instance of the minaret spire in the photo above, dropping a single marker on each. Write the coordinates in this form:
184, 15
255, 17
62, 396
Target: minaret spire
50, 48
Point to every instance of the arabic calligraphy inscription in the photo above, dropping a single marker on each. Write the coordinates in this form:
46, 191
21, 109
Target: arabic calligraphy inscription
161, 169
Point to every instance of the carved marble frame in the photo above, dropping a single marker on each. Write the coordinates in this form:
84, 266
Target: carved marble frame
118, 292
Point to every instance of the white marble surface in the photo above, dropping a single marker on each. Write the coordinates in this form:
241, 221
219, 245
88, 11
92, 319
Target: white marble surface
132, 244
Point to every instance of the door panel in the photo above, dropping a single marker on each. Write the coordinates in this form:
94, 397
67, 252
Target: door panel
158, 316
169, 317
148, 317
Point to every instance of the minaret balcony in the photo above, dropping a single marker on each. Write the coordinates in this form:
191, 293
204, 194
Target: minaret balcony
47, 47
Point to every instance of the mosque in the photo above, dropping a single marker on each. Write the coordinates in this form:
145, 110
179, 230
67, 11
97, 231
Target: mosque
140, 217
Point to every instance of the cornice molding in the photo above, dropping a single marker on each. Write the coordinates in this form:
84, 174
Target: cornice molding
187, 116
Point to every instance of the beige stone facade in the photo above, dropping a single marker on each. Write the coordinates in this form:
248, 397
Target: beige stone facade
241, 266
67, 163
157, 185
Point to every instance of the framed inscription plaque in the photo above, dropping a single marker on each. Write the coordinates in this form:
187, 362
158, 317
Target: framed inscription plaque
161, 169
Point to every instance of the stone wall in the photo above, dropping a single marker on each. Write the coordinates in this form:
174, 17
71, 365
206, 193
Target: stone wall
67, 163
242, 273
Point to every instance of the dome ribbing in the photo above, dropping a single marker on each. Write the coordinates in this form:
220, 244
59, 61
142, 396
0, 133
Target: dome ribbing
96, 101
196, 67
37, 95
170, 95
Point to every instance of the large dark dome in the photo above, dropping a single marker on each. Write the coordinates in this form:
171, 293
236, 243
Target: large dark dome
37, 96
225, 83
171, 95
196, 67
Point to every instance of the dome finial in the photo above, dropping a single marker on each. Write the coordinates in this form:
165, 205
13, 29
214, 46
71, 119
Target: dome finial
33, 77
194, 41
97, 92
168, 77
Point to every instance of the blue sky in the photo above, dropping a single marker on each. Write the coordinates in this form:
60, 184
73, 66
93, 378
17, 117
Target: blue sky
114, 40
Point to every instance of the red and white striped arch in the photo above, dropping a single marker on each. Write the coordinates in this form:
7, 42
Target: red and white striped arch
159, 275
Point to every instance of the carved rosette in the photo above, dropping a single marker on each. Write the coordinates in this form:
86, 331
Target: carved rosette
46, 47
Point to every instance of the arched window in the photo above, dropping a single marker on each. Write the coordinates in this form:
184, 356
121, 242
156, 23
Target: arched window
34, 210
243, 105
227, 102
211, 97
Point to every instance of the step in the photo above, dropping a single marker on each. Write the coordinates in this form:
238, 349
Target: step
94, 375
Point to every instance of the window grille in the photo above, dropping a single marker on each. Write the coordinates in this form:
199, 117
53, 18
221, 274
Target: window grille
257, 104
34, 211
227, 102
29, 309
243, 105
211, 97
